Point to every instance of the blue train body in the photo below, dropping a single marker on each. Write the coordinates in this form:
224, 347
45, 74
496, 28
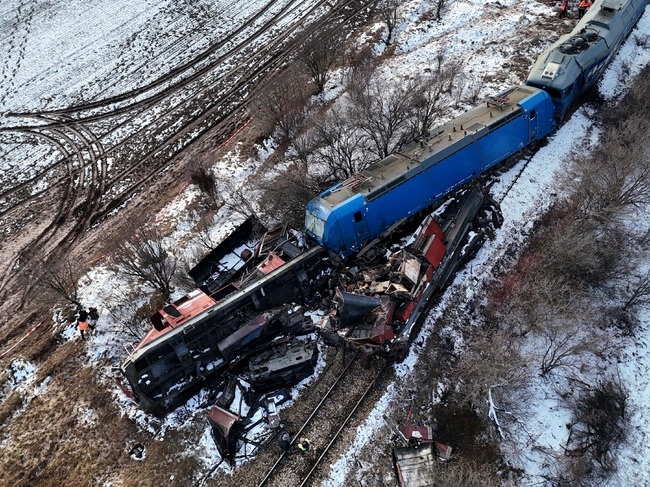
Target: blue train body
577, 60
348, 215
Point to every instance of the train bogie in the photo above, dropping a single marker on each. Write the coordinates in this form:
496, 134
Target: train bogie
577, 60
347, 216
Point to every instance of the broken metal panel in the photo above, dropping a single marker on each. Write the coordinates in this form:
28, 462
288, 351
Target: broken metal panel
429, 242
271, 263
284, 365
376, 327
181, 310
416, 433
443, 451
435, 251
415, 465
260, 328
353, 307
226, 428
227, 259
272, 413
409, 266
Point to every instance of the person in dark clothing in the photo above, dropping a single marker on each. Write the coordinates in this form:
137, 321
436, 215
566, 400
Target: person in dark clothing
93, 313
563, 8
82, 322
285, 442
582, 8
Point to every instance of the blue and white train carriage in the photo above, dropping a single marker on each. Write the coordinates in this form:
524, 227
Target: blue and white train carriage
576, 61
353, 212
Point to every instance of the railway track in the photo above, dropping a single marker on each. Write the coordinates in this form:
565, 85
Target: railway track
329, 424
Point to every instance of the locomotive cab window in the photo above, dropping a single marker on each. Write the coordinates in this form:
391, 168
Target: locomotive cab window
358, 217
533, 114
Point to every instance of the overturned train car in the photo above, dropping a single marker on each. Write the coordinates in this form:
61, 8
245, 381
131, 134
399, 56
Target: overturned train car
200, 335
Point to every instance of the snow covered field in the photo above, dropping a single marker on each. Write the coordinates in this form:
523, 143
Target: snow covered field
485, 37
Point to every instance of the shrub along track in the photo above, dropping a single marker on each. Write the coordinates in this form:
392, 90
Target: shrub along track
141, 132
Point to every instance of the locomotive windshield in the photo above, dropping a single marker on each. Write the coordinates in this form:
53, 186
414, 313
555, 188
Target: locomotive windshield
314, 225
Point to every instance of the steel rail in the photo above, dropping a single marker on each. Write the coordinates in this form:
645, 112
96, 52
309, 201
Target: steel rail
308, 420
343, 425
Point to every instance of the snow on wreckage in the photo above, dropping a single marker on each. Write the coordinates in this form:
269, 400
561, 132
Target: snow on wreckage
188, 343
238, 322
215, 331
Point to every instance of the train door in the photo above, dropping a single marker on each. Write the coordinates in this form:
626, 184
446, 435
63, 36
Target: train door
360, 225
533, 124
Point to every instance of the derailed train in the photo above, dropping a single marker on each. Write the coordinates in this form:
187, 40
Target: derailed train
576, 61
234, 315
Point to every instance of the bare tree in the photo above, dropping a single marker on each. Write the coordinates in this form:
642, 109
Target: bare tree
616, 176
491, 374
339, 145
599, 425
287, 195
63, 279
236, 199
205, 180
319, 53
438, 6
132, 319
638, 291
583, 251
426, 91
564, 344
282, 102
635, 293
203, 235
143, 256
382, 112
389, 14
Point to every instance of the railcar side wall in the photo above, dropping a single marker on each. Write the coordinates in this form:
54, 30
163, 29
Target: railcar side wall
357, 220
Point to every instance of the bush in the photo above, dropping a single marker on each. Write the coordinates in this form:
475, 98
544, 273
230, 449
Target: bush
599, 425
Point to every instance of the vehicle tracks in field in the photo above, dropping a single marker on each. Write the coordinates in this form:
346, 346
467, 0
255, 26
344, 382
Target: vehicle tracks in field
139, 144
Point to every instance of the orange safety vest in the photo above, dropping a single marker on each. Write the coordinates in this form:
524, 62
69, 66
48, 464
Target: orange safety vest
83, 325
584, 4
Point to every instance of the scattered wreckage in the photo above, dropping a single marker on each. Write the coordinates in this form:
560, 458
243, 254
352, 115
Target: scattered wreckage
237, 323
416, 461
381, 306
206, 336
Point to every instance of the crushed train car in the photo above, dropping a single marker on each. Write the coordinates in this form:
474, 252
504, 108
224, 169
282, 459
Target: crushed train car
416, 462
197, 336
380, 307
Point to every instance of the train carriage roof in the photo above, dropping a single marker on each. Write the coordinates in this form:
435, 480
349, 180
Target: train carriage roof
418, 156
590, 42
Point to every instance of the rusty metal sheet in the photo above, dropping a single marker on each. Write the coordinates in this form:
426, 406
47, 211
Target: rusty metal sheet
414, 465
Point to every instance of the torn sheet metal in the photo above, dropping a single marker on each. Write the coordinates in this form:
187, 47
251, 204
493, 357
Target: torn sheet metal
226, 428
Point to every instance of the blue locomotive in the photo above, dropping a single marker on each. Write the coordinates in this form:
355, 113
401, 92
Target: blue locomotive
353, 212
575, 62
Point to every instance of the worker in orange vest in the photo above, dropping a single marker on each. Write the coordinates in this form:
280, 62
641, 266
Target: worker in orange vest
582, 8
563, 8
82, 322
